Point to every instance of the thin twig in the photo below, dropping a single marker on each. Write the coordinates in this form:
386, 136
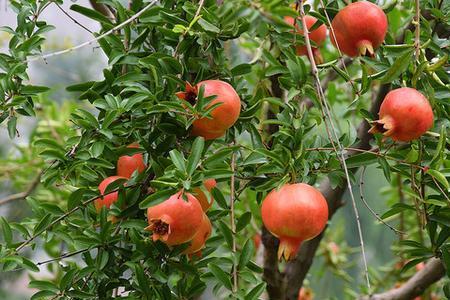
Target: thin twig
377, 216
73, 19
232, 222
23, 195
131, 19
341, 149
417, 32
62, 256
197, 13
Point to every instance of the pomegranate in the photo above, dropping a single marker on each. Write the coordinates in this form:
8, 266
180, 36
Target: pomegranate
223, 116
110, 198
257, 241
420, 266
305, 294
127, 164
200, 195
294, 213
405, 115
176, 220
198, 241
318, 35
359, 28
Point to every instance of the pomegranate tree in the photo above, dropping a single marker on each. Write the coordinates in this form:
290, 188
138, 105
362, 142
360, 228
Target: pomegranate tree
223, 116
176, 220
359, 28
405, 115
294, 213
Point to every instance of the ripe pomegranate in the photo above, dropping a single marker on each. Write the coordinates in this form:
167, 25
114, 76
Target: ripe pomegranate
405, 115
420, 266
110, 198
198, 241
201, 197
359, 28
318, 35
127, 164
176, 220
257, 241
305, 294
223, 116
294, 213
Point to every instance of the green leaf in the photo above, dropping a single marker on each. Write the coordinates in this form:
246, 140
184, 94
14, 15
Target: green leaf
196, 153
97, 148
43, 285
155, 198
12, 122
6, 229
243, 221
399, 66
90, 13
208, 26
178, 160
256, 292
226, 232
246, 253
439, 177
45, 221
385, 167
241, 69
363, 159
219, 198
220, 275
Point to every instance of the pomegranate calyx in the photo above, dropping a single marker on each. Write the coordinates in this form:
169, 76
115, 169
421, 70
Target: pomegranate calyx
384, 126
189, 95
365, 48
288, 248
160, 228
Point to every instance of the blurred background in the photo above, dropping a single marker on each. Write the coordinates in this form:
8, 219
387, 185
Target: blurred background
87, 64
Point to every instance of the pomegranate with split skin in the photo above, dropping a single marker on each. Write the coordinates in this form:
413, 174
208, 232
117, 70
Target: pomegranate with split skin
359, 28
405, 115
127, 164
110, 198
223, 116
294, 213
318, 35
202, 197
176, 220
198, 241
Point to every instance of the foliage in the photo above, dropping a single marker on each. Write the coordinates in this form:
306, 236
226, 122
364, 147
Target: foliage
247, 44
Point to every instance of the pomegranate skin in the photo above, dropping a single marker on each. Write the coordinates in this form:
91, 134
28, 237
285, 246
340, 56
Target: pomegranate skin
201, 197
175, 221
222, 117
198, 241
127, 164
305, 294
405, 115
318, 35
359, 28
294, 213
109, 198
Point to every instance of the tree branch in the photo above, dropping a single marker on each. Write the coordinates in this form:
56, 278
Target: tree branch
416, 285
23, 195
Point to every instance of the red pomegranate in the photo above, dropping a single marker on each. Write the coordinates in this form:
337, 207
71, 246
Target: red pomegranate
405, 115
318, 35
257, 241
127, 164
201, 197
198, 241
223, 116
305, 294
109, 198
176, 220
294, 213
359, 28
